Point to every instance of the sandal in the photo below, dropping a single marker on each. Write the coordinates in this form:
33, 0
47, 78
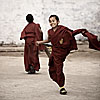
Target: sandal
32, 70
63, 91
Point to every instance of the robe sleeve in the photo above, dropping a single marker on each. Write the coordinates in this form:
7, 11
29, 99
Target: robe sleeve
75, 32
93, 42
69, 41
22, 34
49, 36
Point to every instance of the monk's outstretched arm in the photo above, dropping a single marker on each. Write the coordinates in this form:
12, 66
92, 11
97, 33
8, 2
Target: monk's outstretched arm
41, 42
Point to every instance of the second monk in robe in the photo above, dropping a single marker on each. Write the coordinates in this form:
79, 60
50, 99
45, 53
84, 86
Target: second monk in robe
31, 33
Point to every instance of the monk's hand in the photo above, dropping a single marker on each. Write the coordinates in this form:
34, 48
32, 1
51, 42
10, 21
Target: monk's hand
37, 43
61, 41
84, 31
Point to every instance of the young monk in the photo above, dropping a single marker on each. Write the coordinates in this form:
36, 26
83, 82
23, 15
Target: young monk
31, 33
63, 41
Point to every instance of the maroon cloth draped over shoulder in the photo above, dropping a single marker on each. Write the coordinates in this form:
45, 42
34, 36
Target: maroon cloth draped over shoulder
31, 30
31, 33
41, 46
93, 41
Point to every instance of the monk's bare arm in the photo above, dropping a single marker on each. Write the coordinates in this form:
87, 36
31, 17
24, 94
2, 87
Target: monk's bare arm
41, 42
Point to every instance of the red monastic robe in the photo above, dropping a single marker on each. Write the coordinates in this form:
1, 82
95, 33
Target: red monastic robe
61, 50
41, 46
31, 34
93, 41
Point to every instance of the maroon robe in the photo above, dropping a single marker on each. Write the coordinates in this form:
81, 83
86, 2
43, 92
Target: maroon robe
31, 34
41, 46
93, 41
60, 51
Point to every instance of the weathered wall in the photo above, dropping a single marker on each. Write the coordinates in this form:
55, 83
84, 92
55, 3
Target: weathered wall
73, 13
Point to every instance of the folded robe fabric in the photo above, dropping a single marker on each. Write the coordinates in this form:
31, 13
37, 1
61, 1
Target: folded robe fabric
92, 39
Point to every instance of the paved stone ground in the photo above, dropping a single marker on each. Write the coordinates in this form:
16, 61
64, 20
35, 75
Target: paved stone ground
81, 68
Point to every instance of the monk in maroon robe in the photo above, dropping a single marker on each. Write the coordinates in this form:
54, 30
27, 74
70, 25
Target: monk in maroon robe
63, 41
31, 34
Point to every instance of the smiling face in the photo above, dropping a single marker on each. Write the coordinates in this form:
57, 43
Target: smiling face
53, 22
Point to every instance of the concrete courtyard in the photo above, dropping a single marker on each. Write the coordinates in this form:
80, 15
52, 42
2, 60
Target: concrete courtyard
81, 68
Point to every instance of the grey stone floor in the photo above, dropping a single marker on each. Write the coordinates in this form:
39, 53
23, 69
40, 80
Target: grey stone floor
81, 68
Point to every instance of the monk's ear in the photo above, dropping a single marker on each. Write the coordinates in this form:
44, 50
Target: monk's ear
58, 22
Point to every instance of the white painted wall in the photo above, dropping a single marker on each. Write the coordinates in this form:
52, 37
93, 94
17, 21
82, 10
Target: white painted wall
72, 13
